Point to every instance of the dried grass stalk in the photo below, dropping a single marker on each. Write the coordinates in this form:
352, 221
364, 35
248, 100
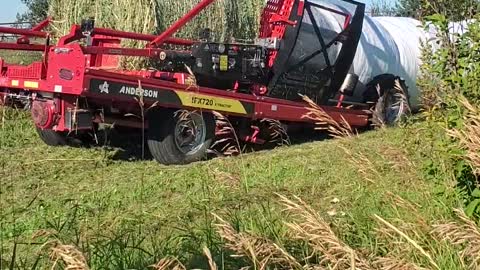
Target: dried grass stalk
390, 263
71, 257
409, 240
377, 117
412, 209
469, 136
276, 132
175, 264
227, 142
364, 166
311, 228
169, 264
325, 122
464, 234
261, 252
398, 158
211, 262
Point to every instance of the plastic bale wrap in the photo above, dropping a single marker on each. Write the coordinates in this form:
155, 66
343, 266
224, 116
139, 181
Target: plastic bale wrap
391, 45
388, 45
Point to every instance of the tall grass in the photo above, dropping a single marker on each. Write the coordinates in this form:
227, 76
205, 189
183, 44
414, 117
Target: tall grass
469, 136
130, 215
313, 243
226, 18
126, 15
138, 16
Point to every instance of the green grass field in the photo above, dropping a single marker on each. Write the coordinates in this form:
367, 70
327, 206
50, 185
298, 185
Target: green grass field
19, 57
129, 214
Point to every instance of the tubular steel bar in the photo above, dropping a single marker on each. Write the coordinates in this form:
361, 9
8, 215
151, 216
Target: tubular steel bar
39, 27
23, 32
76, 34
180, 23
43, 24
138, 36
22, 47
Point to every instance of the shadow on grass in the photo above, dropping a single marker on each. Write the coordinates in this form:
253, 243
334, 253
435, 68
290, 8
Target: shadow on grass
127, 143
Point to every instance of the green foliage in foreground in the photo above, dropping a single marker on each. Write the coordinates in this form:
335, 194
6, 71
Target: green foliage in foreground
129, 215
451, 73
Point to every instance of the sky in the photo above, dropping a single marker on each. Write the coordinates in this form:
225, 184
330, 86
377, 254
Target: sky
10, 8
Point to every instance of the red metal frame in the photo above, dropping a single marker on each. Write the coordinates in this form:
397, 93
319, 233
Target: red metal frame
274, 22
86, 63
23, 42
39, 27
76, 34
24, 32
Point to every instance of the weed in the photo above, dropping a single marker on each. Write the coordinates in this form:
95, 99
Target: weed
325, 122
409, 240
469, 136
71, 257
465, 234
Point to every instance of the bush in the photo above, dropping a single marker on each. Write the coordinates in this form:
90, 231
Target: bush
451, 98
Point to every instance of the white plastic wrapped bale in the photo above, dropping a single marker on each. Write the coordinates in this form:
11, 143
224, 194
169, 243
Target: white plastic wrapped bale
391, 45
388, 45
459, 28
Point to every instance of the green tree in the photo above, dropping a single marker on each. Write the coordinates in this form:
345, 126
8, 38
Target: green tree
453, 10
382, 8
36, 11
409, 8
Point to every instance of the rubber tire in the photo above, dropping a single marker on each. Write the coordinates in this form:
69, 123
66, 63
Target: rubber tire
51, 137
161, 141
387, 87
380, 109
266, 134
54, 138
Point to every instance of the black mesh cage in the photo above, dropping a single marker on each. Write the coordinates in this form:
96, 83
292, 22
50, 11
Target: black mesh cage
317, 53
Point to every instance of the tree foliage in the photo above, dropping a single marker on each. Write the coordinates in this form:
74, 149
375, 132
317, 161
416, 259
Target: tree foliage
36, 11
409, 8
453, 10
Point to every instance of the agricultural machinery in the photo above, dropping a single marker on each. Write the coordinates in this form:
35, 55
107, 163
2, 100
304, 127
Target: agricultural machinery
305, 48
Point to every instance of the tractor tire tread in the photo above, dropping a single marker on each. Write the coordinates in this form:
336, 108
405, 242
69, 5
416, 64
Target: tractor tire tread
51, 137
161, 141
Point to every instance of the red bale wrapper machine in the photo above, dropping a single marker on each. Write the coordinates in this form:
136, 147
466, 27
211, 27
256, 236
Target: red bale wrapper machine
78, 85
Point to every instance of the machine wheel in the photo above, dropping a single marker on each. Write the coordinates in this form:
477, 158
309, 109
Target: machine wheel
54, 138
3, 100
180, 137
51, 137
391, 100
274, 132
